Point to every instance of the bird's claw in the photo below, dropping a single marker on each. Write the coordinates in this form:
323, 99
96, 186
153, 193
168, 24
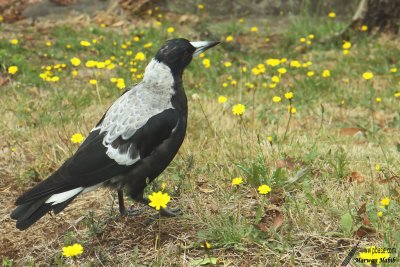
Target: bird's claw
163, 213
132, 212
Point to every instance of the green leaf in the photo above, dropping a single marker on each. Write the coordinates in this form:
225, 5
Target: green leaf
205, 261
347, 222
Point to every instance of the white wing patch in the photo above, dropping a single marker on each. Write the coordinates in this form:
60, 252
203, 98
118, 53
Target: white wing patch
134, 108
61, 197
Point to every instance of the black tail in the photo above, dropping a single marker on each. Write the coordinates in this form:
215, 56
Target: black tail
28, 213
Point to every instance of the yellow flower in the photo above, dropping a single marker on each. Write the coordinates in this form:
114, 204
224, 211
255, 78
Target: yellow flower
233, 82
368, 75
1, 18
237, 181
380, 214
295, 64
282, 70
302, 40
289, 95
310, 73
206, 245
269, 138
244, 69
378, 99
397, 94
273, 62
276, 99
12, 69
293, 110
121, 83
72, 251
222, 99
385, 201
364, 28
170, 29
393, 70
100, 65
68, 46
14, 41
93, 82
139, 56
255, 71
75, 61
229, 38
272, 85
90, 63
48, 43
346, 45
55, 79
254, 29
136, 39
346, 52
148, 45
275, 79
159, 200
227, 64
103, 25
238, 109
77, 138
264, 189
74, 73
377, 167
332, 15
85, 43
241, 20
311, 36
200, 6
206, 63
326, 73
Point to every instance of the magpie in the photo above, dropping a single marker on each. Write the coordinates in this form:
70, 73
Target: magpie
134, 141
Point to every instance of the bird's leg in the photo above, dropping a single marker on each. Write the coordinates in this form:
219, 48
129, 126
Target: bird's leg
123, 210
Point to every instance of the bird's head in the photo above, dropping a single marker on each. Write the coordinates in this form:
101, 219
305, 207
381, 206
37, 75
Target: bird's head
177, 53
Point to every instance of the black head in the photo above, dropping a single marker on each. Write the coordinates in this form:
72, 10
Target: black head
177, 53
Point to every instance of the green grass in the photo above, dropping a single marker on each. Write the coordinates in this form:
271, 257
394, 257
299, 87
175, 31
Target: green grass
308, 163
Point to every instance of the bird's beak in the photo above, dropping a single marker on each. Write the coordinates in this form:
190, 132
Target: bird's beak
202, 46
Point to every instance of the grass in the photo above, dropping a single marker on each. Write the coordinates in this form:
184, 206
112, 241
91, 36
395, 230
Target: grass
329, 164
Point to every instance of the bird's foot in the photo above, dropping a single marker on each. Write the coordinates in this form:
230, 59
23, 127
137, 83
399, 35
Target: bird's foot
163, 213
132, 212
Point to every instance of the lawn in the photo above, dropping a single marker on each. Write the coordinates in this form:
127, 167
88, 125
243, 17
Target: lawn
278, 104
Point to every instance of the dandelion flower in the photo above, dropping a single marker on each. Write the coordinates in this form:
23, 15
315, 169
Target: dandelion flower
170, 29
75, 61
227, 64
238, 109
379, 214
368, 75
326, 73
282, 70
272, 85
264, 189
136, 39
12, 70
1, 18
346, 45
273, 62
139, 56
295, 64
200, 6
206, 63
72, 251
148, 45
237, 181
275, 79
302, 40
289, 95
310, 73
121, 83
378, 99
364, 28
14, 41
276, 99
93, 82
393, 70
332, 15
269, 138
254, 29
385, 201
159, 200
77, 138
74, 73
206, 245
311, 36
85, 43
397, 94
377, 167
293, 110
225, 84
48, 43
229, 38
346, 52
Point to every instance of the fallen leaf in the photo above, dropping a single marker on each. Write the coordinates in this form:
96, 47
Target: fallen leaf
206, 190
355, 177
385, 181
352, 131
272, 219
3, 80
362, 209
363, 231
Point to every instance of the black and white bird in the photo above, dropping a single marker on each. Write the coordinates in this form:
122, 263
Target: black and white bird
133, 143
